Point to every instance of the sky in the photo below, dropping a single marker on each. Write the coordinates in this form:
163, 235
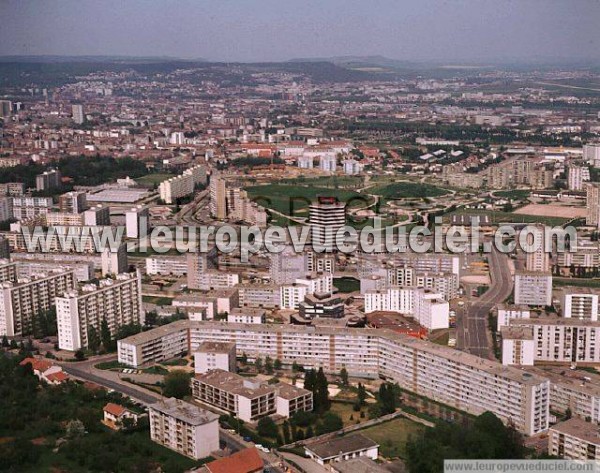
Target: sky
448, 31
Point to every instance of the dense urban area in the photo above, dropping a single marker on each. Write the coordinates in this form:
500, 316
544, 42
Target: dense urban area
142, 357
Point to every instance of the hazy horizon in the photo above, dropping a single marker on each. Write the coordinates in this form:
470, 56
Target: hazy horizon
461, 31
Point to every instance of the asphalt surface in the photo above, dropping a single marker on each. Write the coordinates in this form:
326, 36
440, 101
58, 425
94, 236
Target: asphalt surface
472, 327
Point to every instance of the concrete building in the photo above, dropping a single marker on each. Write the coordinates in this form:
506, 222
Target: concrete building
115, 262
6, 209
48, 180
77, 114
577, 177
97, 216
506, 312
533, 288
591, 154
28, 206
321, 305
167, 265
247, 316
84, 270
580, 303
118, 301
539, 259
215, 356
248, 398
184, 428
518, 346
574, 439
183, 185
592, 195
137, 222
440, 373
259, 296
21, 301
197, 264
352, 167
72, 202
326, 217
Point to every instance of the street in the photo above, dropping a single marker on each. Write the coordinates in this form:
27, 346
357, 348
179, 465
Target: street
472, 326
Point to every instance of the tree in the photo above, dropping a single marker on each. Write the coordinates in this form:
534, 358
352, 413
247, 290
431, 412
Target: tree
75, 428
287, 437
310, 379
267, 428
14, 344
344, 376
105, 335
258, 364
321, 392
151, 318
386, 398
79, 355
361, 394
268, 365
330, 422
5, 342
295, 367
93, 339
277, 364
244, 359
309, 432
177, 384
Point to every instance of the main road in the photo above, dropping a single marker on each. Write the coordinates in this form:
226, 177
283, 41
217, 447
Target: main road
473, 334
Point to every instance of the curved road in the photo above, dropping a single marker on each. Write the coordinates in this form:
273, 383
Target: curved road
473, 332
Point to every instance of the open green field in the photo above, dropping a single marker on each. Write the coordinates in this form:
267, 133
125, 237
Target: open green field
578, 282
392, 436
515, 194
294, 199
335, 182
403, 190
346, 284
508, 217
152, 179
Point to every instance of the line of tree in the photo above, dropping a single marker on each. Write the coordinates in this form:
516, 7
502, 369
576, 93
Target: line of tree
316, 382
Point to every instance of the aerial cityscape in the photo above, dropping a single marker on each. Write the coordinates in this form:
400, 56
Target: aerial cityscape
241, 237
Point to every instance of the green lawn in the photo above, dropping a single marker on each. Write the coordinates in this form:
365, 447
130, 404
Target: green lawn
150, 180
157, 300
515, 194
294, 199
509, 217
403, 190
347, 413
578, 282
347, 182
346, 284
392, 436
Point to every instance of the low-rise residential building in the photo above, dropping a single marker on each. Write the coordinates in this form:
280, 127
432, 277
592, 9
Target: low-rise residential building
184, 428
248, 398
166, 265
328, 452
115, 415
247, 316
247, 460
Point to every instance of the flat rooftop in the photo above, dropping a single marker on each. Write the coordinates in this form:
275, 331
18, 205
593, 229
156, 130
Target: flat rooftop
575, 427
341, 445
184, 411
216, 347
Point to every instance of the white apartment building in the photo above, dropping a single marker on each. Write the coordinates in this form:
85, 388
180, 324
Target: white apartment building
10, 271
22, 300
84, 270
215, 356
292, 295
592, 195
6, 209
26, 206
518, 346
247, 316
317, 283
458, 379
327, 163
506, 312
538, 260
182, 185
265, 296
212, 279
533, 288
184, 428
97, 216
248, 398
579, 303
352, 167
577, 177
118, 301
326, 217
574, 439
305, 162
591, 154
115, 262
560, 340
166, 265
137, 222
429, 309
